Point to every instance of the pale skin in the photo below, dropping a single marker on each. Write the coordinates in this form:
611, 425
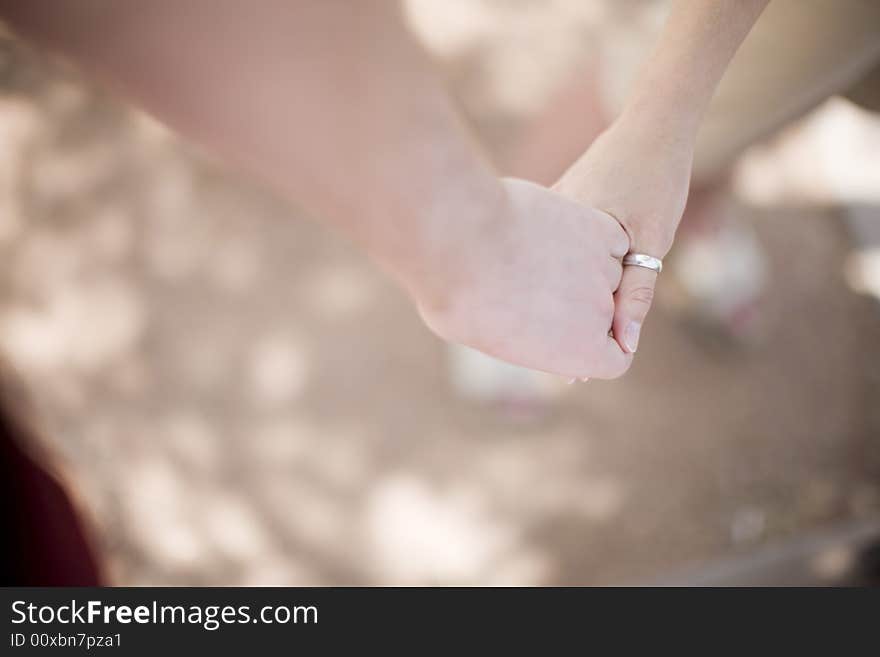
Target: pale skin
639, 169
334, 105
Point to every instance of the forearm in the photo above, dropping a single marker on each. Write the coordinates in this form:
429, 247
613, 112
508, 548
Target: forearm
330, 102
639, 169
678, 80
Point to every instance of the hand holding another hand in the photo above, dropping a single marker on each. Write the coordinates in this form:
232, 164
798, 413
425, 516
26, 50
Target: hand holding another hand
639, 174
543, 286
538, 286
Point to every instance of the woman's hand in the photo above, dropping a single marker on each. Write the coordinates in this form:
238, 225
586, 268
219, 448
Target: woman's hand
537, 286
639, 169
639, 174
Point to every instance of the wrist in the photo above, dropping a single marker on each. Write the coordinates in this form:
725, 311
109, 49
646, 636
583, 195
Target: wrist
661, 122
639, 174
451, 229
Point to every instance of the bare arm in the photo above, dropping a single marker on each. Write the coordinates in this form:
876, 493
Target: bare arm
679, 79
330, 102
639, 169
333, 104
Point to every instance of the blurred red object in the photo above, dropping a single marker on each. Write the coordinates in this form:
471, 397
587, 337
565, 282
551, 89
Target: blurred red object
45, 543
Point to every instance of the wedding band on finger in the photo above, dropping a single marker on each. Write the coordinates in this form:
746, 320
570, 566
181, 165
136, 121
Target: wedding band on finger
642, 260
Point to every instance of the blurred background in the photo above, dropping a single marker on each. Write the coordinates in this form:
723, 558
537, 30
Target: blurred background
236, 396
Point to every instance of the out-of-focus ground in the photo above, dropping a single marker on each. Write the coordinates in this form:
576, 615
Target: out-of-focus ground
240, 398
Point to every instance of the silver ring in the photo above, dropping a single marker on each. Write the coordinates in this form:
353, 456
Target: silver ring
642, 260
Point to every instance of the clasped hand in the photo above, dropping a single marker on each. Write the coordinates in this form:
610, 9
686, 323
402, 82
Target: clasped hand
546, 289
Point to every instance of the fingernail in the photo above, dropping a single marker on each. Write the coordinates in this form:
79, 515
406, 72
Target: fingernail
570, 381
631, 336
585, 379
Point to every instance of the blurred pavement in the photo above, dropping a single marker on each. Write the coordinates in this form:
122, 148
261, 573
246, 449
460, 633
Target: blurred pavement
240, 398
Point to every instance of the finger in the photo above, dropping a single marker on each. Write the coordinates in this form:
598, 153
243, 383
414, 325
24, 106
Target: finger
613, 271
611, 361
631, 304
618, 240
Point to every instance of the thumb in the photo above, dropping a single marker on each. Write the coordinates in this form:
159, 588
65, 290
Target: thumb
631, 304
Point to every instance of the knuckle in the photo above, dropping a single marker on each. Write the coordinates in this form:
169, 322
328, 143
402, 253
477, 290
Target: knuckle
642, 295
655, 237
591, 360
615, 371
592, 353
620, 371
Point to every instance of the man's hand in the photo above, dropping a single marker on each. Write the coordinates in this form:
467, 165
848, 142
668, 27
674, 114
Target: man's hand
538, 286
639, 174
